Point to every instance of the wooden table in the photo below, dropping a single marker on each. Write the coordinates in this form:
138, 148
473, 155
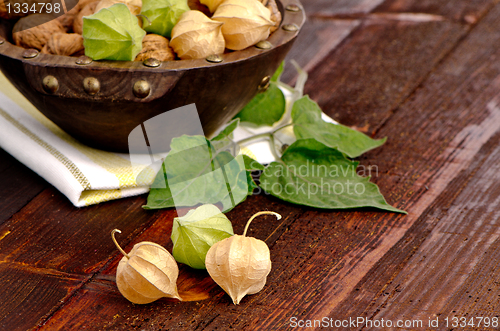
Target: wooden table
424, 73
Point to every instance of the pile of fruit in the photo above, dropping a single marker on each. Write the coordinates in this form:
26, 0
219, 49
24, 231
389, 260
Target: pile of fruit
129, 30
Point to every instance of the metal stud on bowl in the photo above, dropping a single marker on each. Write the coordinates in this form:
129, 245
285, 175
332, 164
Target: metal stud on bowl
141, 89
264, 44
264, 84
152, 62
83, 60
50, 84
293, 8
30, 53
214, 58
290, 27
91, 85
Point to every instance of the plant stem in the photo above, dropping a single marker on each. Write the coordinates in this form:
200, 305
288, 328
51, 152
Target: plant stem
254, 137
273, 147
269, 135
262, 135
116, 243
278, 216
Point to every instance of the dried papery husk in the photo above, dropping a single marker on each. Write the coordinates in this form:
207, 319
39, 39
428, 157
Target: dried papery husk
264, 2
197, 5
196, 36
246, 22
212, 4
38, 35
134, 5
240, 264
148, 273
156, 47
87, 10
275, 14
70, 44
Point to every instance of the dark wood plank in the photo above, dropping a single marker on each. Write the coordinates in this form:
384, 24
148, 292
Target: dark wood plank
463, 92
378, 67
453, 272
29, 294
316, 40
19, 185
447, 253
51, 233
468, 11
340, 7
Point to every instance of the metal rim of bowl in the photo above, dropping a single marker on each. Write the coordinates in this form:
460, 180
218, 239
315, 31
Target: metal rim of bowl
293, 18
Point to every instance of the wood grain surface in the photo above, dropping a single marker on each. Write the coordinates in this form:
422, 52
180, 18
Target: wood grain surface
425, 74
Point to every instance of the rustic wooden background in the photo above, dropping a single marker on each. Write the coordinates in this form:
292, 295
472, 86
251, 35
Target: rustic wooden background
424, 73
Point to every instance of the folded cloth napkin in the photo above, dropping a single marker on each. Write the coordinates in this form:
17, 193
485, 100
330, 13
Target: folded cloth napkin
85, 175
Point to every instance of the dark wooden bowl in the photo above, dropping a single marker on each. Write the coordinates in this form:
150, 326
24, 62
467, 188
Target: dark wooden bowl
98, 104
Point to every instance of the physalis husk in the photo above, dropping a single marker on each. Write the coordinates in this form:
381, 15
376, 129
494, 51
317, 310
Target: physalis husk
149, 272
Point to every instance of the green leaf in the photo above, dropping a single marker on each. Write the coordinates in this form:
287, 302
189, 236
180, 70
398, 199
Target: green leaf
162, 15
112, 34
316, 175
277, 75
225, 137
306, 117
265, 108
227, 131
251, 164
195, 172
251, 183
194, 234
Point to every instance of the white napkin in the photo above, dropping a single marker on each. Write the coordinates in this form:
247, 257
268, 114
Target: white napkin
84, 175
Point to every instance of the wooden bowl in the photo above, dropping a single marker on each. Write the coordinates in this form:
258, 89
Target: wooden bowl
101, 102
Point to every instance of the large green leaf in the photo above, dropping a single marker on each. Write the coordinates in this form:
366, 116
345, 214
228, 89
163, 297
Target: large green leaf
112, 34
316, 175
194, 233
307, 123
194, 172
265, 108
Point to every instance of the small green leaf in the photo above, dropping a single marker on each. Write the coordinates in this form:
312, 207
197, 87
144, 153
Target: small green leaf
112, 34
277, 75
225, 138
265, 108
227, 131
251, 164
194, 234
306, 117
316, 175
162, 15
251, 183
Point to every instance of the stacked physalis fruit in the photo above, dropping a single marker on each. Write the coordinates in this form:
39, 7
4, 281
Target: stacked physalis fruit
165, 30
